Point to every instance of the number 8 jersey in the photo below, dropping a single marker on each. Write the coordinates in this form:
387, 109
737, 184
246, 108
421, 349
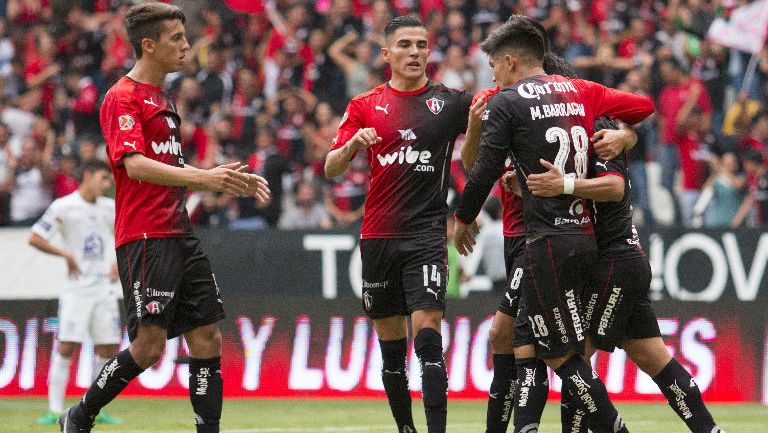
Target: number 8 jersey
546, 117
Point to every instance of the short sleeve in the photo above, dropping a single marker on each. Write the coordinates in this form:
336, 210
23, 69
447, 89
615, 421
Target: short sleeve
123, 118
49, 223
351, 122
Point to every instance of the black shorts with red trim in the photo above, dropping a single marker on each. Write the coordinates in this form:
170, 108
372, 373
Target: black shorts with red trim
403, 275
560, 266
617, 304
168, 282
517, 263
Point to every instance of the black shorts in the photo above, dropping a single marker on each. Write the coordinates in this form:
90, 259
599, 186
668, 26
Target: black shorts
560, 267
516, 262
401, 276
617, 304
168, 282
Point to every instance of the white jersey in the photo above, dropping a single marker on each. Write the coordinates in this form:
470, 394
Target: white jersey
87, 231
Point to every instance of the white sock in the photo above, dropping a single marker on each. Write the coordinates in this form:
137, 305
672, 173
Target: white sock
98, 364
58, 377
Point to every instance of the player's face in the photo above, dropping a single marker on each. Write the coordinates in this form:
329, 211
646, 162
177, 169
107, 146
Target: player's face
98, 182
407, 51
172, 47
502, 73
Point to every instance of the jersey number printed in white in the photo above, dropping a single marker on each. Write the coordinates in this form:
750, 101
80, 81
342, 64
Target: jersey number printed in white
435, 275
580, 143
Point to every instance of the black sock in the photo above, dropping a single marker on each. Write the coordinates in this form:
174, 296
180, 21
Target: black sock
501, 394
684, 397
589, 393
572, 418
434, 380
117, 373
531, 395
206, 393
394, 375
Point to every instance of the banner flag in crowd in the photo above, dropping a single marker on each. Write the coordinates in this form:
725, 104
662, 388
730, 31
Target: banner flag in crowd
745, 31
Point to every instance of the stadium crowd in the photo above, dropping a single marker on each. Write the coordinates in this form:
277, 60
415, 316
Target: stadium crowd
269, 89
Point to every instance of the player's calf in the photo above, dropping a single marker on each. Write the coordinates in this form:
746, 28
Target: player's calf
394, 375
434, 379
531, 394
502, 391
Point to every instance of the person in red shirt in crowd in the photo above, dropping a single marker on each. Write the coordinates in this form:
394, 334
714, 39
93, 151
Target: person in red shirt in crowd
758, 135
84, 103
677, 101
168, 286
694, 164
756, 201
65, 180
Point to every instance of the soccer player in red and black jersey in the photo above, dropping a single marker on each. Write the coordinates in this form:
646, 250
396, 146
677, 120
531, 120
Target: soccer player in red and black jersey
407, 128
168, 286
548, 118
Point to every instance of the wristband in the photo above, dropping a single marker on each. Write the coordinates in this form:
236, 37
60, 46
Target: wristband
569, 184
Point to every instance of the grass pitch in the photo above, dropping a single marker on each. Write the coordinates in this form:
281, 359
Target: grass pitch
349, 416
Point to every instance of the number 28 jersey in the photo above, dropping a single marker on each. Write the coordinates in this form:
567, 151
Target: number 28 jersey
547, 117
410, 166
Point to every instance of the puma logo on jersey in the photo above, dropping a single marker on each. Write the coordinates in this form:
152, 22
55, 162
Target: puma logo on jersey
603, 164
129, 144
433, 292
151, 102
511, 299
384, 109
407, 134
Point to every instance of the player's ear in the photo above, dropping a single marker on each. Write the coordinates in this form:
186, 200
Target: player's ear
148, 45
385, 54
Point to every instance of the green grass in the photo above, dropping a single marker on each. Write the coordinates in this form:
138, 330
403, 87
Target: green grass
350, 416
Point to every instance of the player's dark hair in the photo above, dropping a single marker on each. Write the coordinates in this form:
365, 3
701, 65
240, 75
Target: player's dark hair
543, 32
556, 65
400, 22
95, 165
518, 34
146, 20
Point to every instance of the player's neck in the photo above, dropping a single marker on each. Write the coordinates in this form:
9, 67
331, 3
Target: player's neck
148, 73
402, 84
90, 198
531, 71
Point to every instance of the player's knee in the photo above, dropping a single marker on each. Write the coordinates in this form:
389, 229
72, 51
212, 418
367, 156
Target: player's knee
500, 339
204, 342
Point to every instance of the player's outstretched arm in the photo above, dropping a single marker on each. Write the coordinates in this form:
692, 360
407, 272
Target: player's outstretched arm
337, 161
224, 178
43, 245
609, 143
552, 183
470, 150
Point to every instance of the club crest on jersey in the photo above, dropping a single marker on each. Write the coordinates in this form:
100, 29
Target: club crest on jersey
435, 105
125, 122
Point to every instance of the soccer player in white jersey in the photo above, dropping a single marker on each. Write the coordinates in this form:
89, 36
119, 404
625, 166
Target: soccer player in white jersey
88, 305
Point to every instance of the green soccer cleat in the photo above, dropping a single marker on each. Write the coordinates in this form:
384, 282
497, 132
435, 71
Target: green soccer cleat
104, 418
50, 418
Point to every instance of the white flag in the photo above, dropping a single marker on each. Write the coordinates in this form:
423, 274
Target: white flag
745, 31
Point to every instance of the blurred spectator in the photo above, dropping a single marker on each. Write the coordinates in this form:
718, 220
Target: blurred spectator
318, 134
267, 162
215, 81
65, 181
356, 69
728, 192
84, 104
694, 157
678, 98
757, 138
490, 241
211, 211
345, 195
5, 174
454, 71
30, 180
308, 212
87, 151
756, 202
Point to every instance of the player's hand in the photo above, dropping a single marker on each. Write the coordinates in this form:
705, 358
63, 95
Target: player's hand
72, 268
114, 275
608, 143
226, 178
508, 180
257, 186
464, 237
364, 138
547, 184
477, 110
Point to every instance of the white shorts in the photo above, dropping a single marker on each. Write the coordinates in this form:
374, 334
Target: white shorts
97, 315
